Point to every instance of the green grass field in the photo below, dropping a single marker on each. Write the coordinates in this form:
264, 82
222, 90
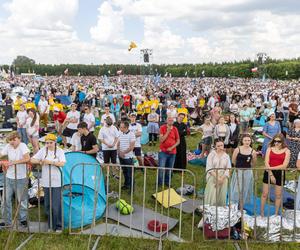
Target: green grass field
66, 241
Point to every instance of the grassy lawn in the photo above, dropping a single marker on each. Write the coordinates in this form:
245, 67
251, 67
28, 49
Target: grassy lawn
66, 241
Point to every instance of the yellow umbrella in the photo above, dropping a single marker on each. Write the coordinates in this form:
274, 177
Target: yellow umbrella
132, 45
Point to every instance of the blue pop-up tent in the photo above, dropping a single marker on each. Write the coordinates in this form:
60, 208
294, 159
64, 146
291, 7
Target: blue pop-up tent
84, 190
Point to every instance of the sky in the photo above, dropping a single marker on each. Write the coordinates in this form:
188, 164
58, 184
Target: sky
181, 31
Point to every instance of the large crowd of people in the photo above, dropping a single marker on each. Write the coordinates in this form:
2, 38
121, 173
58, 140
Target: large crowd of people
224, 110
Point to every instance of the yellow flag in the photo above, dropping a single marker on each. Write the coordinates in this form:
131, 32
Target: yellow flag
132, 45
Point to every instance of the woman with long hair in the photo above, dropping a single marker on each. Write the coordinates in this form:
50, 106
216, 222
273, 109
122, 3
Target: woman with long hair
115, 108
21, 123
243, 159
32, 129
234, 133
277, 159
222, 131
216, 180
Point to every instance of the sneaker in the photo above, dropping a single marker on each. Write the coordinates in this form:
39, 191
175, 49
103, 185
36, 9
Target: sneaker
58, 231
24, 223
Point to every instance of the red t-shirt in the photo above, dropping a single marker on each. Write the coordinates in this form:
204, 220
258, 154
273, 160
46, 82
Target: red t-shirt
170, 141
60, 117
126, 100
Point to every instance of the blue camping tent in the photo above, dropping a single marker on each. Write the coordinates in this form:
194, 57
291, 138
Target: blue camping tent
81, 180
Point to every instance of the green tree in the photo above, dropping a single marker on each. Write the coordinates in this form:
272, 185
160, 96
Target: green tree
23, 60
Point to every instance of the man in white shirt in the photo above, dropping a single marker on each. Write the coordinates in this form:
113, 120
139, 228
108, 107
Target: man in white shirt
108, 136
136, 128
43, 108
16, 178
125, 148
89, 119
71, 122
107, 114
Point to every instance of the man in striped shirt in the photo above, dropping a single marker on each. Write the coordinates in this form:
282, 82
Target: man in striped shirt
125, 151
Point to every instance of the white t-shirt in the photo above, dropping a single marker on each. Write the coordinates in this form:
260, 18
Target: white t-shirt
73, 115
15, 154
22, 116
125, 140
42, 154
43, 106
33, 130
75, 141
134, 128
108, 134
89, 119
103, 117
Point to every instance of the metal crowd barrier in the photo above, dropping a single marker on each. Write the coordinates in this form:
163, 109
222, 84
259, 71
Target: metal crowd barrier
32, 226
149, 182
270, 232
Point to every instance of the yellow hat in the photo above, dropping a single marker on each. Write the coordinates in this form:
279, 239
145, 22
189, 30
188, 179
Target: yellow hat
50, 137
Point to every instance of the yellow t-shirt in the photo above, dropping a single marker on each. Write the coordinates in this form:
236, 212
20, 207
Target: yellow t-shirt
30, 105
51, 103
17, 104
147, 106
58, 105
201, 103
155, 104
183, 111
140, 109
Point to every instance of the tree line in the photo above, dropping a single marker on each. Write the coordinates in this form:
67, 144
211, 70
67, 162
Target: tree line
272, 68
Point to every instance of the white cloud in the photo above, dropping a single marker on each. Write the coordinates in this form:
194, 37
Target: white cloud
213, 30
110, 26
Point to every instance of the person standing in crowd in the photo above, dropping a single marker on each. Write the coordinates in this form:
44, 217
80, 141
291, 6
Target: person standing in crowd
293, 111
181, 160
126, 102
17, 103
234, 133
271, 128
153, 127
243, 159
108, 137
162, 112
125, 148
169, 140
70, 123
293, 136
115, 108
285, 105
89, 119
277, 159
244, 118
297, 203
32, 129
51, 158
216, 180
207, 129
171, 111
88, 140
107, 114
16, 178
59, 118
43, 108
136, 128
252, 111
222, 131
21, 123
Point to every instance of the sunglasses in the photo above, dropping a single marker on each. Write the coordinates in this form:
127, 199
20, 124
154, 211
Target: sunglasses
277, 141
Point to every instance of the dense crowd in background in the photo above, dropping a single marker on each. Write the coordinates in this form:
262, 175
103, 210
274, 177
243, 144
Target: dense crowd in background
224, 110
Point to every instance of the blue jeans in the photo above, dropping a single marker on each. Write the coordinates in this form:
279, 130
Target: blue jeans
165, 161
23, 134
56, 207
127, 171
15, 187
